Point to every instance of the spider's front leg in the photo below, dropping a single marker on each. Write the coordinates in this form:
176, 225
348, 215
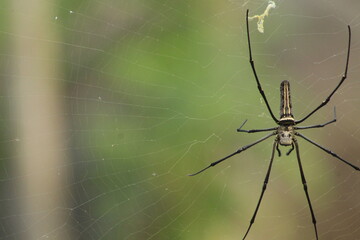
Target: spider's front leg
234, 153
275, 145
303, 179
328, 151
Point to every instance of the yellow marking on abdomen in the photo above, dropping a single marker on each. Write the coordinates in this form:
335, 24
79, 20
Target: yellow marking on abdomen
285, 105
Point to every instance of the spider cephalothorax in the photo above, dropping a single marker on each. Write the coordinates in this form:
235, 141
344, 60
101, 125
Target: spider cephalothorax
285, 135
286, 131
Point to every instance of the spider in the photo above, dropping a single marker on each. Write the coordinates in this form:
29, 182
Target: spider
286, 131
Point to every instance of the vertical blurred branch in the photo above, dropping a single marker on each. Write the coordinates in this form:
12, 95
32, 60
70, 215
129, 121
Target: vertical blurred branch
39, 122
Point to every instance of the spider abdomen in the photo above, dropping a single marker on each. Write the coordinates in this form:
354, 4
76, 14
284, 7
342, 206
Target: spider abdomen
285, 101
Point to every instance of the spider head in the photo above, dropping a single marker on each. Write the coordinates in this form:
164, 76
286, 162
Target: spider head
285, 135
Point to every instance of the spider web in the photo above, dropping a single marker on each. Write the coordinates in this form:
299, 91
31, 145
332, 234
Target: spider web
155, 90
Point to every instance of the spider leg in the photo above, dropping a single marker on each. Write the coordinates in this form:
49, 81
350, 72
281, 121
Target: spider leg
263, 188
328, 151
339, 84
305, 187
234, 153
254, 130
254, 70
319, 125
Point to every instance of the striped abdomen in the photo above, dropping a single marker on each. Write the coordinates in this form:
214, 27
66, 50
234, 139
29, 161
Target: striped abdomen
285, 102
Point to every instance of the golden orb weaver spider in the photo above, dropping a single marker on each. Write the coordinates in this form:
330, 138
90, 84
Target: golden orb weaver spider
286, 131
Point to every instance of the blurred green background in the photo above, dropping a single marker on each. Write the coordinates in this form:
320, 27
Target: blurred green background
108, 105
